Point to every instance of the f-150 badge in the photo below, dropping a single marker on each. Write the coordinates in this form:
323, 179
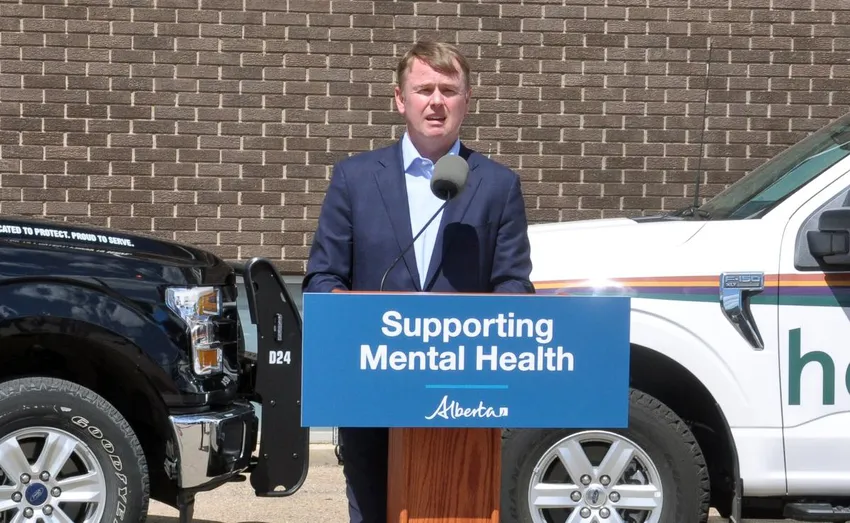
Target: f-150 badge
735, 291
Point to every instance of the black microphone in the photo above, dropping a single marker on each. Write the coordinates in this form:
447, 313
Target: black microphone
448, 181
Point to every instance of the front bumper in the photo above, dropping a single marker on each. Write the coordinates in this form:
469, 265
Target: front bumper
213, 446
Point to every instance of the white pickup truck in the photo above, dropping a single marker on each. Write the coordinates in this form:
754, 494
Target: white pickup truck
740, 362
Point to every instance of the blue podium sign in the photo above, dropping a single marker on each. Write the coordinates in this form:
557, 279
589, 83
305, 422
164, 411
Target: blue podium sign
465, 360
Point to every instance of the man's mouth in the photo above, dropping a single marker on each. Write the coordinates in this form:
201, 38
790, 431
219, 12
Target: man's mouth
435, 118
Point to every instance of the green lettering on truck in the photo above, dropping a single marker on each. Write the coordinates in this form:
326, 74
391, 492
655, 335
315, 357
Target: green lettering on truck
796, 364
798, 361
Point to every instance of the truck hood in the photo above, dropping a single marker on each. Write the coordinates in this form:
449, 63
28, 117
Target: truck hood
39, 246
604, 248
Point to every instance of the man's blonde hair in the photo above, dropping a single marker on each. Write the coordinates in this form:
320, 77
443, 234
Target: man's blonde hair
439, 55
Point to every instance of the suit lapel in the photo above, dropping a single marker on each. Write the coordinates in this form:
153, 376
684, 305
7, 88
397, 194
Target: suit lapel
454, 211
393, 189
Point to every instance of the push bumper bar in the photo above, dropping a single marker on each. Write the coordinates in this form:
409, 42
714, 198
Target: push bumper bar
284, 452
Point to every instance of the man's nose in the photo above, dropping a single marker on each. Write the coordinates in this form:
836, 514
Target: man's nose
437, 97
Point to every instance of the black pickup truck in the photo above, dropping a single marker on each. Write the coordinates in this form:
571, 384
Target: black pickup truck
124, 375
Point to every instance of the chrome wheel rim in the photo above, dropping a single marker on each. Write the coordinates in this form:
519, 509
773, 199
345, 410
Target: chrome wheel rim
595, 477
49, 475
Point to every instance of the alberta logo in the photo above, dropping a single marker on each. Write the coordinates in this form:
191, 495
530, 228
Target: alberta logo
452, 409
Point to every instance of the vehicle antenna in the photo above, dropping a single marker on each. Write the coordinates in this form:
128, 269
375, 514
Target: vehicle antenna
704, 125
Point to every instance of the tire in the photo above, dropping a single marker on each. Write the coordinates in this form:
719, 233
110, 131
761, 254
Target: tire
99, 440
660, 440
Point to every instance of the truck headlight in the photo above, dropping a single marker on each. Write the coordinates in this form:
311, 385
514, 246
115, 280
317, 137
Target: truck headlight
197, 306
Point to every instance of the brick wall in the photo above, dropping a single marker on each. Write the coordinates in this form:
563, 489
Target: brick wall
216, 121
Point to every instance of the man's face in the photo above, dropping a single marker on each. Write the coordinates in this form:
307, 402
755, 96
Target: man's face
433, 105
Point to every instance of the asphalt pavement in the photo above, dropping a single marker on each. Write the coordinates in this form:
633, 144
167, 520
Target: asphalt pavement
321, 498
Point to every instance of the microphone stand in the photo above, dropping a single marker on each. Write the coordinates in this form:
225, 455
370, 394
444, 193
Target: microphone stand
399, 257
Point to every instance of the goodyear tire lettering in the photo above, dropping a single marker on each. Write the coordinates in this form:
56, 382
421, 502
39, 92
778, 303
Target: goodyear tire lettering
68, 406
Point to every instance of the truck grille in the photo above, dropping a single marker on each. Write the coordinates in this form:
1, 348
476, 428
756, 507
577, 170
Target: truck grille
227, 327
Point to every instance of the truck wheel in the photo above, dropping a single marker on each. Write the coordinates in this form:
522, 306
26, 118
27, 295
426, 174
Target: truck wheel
651, 472
66, 453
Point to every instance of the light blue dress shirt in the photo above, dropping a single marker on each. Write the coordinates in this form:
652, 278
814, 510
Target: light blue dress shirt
422, 202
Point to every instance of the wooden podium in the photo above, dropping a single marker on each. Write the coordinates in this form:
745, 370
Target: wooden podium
444, 475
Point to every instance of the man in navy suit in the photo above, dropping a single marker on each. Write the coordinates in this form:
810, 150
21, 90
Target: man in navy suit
378, 200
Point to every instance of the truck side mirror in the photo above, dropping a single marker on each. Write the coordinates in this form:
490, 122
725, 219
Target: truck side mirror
831, 242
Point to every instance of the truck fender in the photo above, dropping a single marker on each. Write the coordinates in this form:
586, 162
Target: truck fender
682, 345
31, 307
658, 334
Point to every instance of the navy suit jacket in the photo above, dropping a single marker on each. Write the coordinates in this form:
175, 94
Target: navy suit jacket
482, 244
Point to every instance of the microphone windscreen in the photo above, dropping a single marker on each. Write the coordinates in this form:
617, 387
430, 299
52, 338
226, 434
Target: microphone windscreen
449, 179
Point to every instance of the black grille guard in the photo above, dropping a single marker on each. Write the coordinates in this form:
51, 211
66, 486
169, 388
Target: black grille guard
283, 459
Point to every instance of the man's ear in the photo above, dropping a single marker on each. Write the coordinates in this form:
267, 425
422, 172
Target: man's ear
399, 99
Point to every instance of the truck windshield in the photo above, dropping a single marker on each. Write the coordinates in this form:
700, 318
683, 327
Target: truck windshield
778, 178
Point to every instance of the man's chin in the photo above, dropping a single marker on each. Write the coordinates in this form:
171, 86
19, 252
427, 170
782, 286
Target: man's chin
437, 132
441, 136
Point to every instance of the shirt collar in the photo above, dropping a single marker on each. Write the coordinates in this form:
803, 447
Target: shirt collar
410, 154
